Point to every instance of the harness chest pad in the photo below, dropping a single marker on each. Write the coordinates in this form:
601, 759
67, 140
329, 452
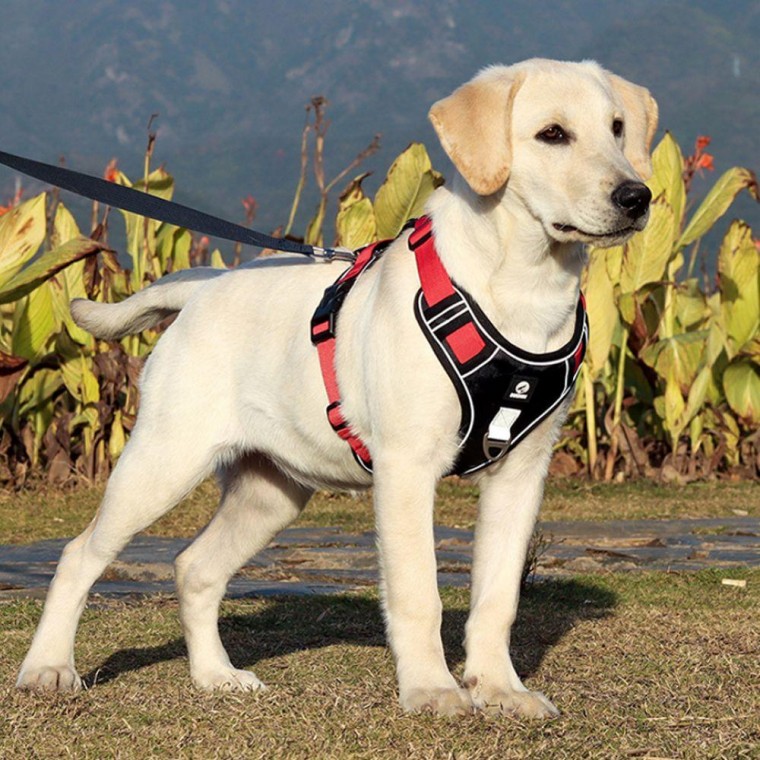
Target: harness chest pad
504, 392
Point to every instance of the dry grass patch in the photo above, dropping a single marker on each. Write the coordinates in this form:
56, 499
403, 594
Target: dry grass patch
648, 665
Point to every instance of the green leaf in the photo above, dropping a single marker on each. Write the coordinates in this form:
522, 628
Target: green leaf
142, 247
183, 241
602, 312
739, 273
118, 438
741, 384
34, 324
627, 306
216, 260
410, 181
646, 256
677, 359
160, 183
80, 380
696, 396
22, 230
37, 390
716, 342
314, 229
690, 306
667, 175
64, 226
674, 408
45, 266
68, 285
720, 197
614, 258
173, 247
356, 225
353, 192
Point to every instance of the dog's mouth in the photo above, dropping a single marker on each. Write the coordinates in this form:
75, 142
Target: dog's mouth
569, 229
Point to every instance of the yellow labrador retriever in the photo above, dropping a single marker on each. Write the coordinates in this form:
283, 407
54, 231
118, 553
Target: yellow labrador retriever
549, 156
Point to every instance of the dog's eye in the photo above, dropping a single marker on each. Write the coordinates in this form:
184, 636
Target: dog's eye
554, 135
617, 127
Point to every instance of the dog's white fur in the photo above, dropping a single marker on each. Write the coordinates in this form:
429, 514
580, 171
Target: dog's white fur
235, 386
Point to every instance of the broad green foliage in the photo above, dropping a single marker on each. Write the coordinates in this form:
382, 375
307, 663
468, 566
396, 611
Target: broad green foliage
690, 348
401, 197
672, 373
67, 400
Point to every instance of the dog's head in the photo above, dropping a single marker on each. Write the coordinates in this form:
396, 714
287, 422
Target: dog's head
570, 140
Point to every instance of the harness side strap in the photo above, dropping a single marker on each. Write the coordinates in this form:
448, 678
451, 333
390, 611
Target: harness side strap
326, 353
323, 326
144, 204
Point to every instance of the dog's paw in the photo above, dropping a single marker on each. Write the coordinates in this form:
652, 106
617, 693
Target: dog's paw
448, 702
523, 704
49, 678
228, 679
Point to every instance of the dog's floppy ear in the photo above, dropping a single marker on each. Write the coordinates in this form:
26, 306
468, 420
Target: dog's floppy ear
640, 123
473, 125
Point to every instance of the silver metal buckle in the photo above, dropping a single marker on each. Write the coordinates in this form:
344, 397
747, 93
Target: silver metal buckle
333, 254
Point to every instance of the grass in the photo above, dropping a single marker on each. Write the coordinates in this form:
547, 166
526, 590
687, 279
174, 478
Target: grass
641, 665
44, 512
648, 665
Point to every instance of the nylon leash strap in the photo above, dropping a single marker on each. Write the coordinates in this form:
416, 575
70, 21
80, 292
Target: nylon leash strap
144, 204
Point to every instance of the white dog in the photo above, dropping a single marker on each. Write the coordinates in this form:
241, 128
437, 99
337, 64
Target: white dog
550, 156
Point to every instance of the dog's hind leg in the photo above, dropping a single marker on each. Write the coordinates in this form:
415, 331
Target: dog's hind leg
149, 478
257, 502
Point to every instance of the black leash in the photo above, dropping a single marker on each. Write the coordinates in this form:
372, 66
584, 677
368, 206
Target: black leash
154, 207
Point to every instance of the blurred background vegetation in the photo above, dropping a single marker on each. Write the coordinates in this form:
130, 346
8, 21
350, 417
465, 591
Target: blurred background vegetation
670, 388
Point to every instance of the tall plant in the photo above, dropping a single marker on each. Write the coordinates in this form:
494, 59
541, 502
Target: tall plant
671, 380
667, 352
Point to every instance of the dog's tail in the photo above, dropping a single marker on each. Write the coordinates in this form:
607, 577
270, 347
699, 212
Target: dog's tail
146, 308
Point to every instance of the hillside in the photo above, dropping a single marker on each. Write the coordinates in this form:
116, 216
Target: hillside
229, 79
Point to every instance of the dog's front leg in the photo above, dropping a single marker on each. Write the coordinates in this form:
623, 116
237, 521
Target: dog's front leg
509, 502
404, 496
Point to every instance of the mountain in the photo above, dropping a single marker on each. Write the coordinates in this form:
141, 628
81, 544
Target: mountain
229, 79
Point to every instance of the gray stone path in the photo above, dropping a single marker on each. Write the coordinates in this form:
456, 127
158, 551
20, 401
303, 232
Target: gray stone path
326, 560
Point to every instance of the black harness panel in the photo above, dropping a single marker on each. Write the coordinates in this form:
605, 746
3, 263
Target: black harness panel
504, 392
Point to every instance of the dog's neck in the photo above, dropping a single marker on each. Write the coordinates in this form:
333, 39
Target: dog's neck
500, 254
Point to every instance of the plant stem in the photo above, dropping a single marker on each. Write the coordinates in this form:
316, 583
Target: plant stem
693, 258
301, 180
588, 391
618, 410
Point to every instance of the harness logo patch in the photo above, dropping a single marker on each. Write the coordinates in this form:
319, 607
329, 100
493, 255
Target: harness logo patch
521, 388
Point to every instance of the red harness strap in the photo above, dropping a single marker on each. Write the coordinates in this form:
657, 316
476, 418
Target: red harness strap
323, 337
436, 285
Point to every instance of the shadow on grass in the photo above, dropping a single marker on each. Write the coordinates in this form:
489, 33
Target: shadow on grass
548, 612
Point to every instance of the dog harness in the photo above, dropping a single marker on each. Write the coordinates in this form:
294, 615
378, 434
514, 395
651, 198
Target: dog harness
504, 392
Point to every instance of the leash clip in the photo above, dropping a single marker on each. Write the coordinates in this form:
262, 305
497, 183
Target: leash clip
333, 254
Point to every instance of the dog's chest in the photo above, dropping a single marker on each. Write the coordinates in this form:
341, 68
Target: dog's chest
504, 391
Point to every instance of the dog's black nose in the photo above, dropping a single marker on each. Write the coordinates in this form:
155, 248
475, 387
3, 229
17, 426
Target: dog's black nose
632, 197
